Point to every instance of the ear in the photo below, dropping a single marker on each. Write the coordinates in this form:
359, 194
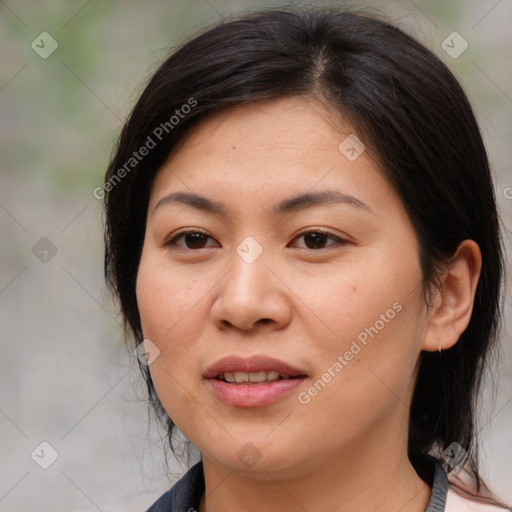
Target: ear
453, 303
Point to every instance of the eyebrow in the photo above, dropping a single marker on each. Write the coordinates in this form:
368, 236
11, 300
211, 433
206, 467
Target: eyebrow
290, 205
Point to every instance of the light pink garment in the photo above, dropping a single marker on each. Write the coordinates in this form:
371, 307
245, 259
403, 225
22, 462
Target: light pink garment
459, 501
456, 503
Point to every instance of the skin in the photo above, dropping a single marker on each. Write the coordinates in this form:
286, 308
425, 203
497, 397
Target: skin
347, 448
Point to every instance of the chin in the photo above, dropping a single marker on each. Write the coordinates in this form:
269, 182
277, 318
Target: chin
256, 456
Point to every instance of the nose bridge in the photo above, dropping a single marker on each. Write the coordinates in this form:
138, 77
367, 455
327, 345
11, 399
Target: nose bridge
249, 249
249, 268
250, 292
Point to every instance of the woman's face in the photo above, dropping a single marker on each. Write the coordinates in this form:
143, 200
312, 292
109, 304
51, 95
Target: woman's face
337, 317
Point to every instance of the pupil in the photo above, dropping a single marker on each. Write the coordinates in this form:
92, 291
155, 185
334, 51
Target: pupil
317, 239
194, 238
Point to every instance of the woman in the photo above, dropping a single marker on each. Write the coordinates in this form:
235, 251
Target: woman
301, 225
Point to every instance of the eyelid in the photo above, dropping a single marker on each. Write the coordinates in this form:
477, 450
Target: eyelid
340, 240
317, 230
170, 241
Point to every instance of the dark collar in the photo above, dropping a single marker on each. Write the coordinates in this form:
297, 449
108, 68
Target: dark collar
186, 493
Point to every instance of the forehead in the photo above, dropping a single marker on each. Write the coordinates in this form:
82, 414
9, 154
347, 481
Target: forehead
266, 151
294, 124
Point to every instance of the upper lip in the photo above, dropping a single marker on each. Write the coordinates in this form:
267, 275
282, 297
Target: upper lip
257, 363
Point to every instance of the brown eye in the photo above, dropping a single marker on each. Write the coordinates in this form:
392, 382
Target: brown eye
193, 240
317, 239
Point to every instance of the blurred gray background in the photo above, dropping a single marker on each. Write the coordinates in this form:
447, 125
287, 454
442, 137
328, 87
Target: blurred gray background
66, 377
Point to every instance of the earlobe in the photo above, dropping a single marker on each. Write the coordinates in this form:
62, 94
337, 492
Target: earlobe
453, 303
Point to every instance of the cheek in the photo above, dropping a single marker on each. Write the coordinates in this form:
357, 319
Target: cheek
375, 331
363, 299
168, 306
167, 299
363, 377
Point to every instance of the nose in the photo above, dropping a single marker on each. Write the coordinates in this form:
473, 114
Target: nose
251, 294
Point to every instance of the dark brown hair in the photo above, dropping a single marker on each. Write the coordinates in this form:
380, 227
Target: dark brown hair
413, 117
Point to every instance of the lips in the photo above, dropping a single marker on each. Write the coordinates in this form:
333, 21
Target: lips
252, 382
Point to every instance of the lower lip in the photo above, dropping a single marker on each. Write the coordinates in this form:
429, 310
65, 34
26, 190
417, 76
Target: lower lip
253, 395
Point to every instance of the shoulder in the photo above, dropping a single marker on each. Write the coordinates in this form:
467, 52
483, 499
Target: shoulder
462, 496
456, 502
184, 495
456, 492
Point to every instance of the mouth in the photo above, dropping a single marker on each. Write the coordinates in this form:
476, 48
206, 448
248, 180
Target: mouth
253, 378
252, 382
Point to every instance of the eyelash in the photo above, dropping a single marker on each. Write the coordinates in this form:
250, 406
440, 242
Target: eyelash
172, 242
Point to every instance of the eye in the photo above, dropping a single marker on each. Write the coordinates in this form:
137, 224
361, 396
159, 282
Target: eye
193, 240
315, 239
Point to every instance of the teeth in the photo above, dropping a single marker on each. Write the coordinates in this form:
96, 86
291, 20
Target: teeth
253, 377
229, 377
